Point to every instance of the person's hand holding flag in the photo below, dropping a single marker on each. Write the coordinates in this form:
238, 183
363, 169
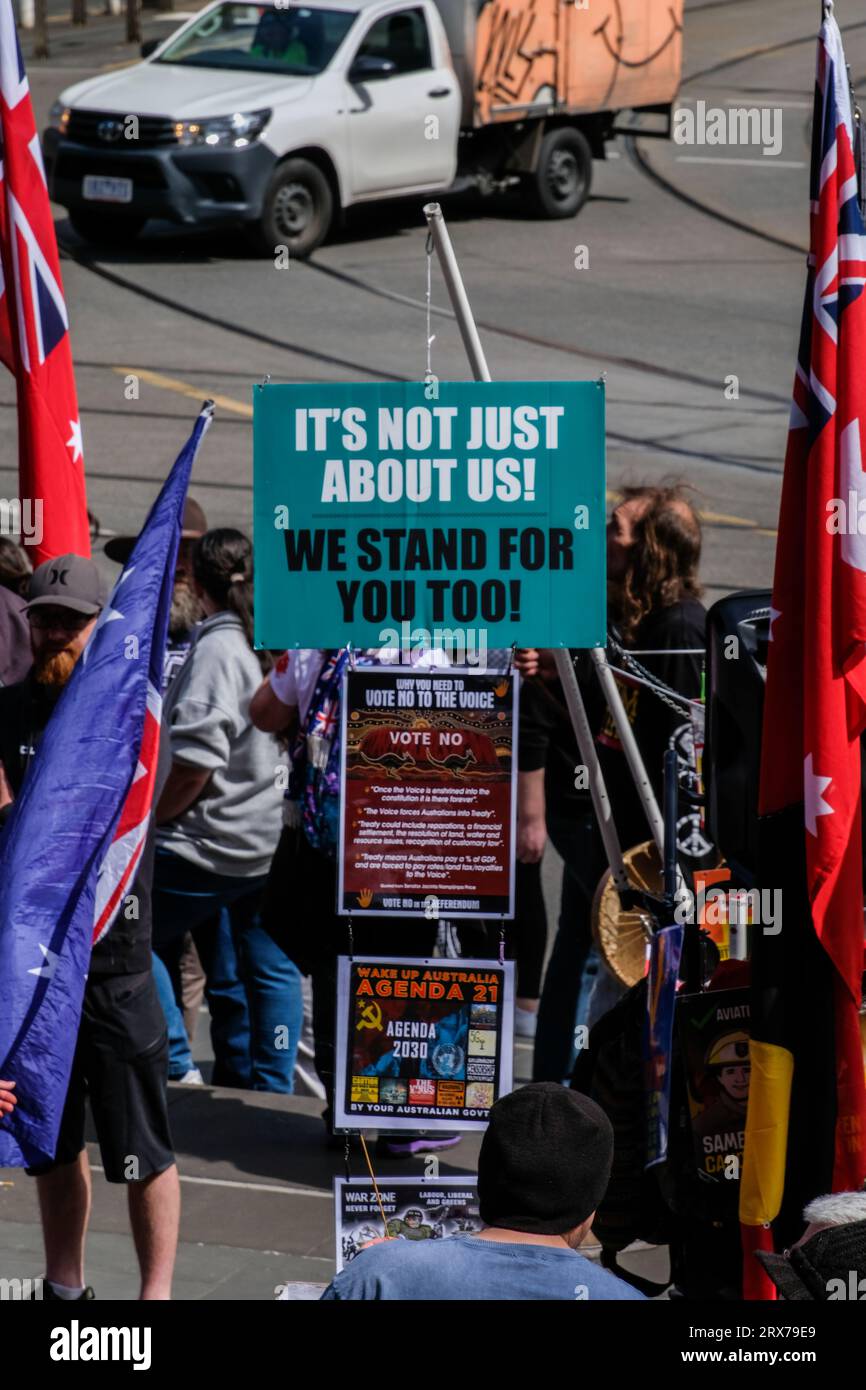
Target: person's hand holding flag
8, 1100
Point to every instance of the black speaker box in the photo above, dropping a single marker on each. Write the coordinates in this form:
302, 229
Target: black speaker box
737, 634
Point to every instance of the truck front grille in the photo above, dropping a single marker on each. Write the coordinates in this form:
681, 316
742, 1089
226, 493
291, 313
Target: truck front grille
105, 129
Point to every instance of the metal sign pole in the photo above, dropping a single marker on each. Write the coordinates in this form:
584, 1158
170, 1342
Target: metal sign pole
598, 790
625, 733
565, 669
457, 292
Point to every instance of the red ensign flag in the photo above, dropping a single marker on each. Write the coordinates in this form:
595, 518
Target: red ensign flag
34, 327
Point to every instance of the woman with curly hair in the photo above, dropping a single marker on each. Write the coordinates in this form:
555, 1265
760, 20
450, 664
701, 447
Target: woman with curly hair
653, 593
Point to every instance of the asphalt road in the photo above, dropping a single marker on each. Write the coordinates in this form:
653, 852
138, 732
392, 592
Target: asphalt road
695, 275
675, 300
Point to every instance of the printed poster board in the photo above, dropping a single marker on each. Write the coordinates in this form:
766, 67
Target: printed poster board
714, 1037
386, 510
415, 1209
429, 784
422, 1044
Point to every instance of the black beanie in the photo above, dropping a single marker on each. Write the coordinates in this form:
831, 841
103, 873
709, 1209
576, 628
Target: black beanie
545, 1160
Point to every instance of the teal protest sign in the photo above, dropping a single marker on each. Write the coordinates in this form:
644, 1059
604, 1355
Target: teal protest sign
386, 518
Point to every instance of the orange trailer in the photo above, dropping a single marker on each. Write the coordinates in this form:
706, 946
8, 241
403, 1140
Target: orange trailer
543, 83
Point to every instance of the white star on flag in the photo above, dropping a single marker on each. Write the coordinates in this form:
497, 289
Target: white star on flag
108, 615
814, 786
74, 442
49, 965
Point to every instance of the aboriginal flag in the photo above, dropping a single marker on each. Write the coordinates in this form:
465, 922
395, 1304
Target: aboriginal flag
806, 1126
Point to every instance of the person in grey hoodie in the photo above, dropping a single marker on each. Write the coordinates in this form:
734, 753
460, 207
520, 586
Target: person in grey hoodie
219, 819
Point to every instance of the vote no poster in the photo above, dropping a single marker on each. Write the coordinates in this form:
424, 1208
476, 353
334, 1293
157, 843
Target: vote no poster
429, 784
414, 1208
387, 515
422, 1044
714, 1037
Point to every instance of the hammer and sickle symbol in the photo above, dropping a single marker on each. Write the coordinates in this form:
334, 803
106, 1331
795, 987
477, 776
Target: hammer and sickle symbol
371, 1017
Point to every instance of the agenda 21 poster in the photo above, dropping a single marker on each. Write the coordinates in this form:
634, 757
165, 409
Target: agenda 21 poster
422, 1044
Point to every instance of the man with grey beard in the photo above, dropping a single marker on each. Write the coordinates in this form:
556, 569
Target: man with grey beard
185, 611
184, 616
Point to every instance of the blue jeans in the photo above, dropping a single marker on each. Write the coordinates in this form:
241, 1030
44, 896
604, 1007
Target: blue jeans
179, 1054
253, 989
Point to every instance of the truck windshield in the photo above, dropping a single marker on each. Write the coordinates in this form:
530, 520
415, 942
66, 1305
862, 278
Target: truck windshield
259, 38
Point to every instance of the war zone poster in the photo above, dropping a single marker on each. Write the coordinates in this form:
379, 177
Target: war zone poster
714, 1037
415, 1209
429, 793
422, 1044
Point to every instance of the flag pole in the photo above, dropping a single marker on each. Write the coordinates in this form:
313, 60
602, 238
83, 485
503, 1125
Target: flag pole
564, 665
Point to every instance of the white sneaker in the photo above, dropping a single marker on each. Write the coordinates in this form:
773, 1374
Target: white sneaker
192, 1078
525, 1022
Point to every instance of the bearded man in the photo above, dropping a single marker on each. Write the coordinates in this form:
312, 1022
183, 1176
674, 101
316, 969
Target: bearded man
121, 1060
186, 613
66, 596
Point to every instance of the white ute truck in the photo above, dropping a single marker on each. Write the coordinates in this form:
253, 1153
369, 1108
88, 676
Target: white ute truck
278, 116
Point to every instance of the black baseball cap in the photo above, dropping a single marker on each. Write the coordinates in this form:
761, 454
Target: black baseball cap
67, 581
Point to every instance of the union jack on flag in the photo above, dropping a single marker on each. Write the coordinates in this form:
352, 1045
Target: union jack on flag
34, 325
85, 805
806, 1124
325, 719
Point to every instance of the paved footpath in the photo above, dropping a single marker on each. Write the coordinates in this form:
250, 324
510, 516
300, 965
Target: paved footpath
257, 1206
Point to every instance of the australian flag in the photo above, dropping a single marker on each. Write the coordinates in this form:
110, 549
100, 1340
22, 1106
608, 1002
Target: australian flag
34, 325
73, 841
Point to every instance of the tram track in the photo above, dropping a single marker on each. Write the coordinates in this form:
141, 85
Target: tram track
641, 162
601, 360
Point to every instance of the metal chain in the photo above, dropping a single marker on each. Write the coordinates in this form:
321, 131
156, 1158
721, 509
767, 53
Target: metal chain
674, 702
665, 693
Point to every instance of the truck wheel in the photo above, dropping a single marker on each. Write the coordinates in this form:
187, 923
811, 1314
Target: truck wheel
297, 210
106, 228
561, 182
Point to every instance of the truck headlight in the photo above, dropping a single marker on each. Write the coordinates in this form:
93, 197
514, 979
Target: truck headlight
233, 131
58, 117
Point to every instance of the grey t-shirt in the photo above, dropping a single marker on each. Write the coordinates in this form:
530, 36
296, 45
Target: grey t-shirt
234, 825
469, 1268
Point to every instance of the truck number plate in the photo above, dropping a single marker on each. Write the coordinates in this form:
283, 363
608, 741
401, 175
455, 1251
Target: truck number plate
104, 190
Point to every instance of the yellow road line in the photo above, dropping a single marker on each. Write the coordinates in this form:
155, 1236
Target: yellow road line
716, 518
184, 388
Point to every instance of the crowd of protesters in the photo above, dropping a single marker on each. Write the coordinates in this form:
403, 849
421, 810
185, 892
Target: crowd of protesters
229, 851
234, 900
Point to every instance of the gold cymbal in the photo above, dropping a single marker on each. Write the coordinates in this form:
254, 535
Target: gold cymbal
621, 936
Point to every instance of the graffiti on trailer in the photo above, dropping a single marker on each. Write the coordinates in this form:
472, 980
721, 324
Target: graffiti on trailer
514, 68
546, 53
614, 46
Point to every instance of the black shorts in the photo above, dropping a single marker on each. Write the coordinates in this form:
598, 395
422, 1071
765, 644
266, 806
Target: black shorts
121, 1065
